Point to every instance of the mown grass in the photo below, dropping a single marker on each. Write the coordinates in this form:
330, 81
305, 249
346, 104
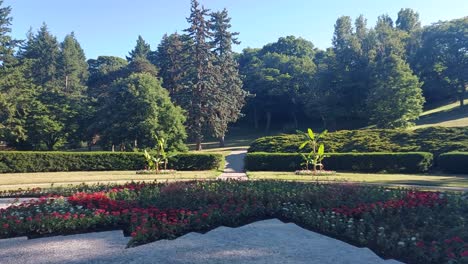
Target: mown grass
12, 181
436, 180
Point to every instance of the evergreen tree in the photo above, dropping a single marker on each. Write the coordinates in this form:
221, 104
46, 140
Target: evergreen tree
17, 96
202, 74
229, 97
7, 44
170, 58
141, 50
43, 49
72, 66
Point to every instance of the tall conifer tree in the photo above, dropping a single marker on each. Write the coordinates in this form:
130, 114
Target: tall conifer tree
229, 97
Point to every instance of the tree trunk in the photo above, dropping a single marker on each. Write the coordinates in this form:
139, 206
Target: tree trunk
113, 148
294, 116
255, 118
324, 121
221, 142
268, 121
135, 145
462, 96
198, 145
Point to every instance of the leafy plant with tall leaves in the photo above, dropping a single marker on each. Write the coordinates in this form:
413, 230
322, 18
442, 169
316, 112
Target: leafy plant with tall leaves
317, 152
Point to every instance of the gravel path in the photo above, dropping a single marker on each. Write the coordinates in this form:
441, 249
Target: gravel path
269, 241
234, 168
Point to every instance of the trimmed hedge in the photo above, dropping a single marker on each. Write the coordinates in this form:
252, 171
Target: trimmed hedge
436, 140
454, 162
23, 161
410, 162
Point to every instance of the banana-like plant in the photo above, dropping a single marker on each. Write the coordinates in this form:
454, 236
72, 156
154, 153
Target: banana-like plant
317, 153
161, 157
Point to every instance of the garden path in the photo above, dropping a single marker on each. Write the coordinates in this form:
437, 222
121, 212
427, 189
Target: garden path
234, 169
269, 241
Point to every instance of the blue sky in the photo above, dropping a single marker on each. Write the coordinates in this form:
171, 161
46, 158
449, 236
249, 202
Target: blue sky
111, 27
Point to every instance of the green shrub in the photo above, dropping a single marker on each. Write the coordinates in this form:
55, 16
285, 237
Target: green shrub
436, 140
18, 161
454, 162
410, 162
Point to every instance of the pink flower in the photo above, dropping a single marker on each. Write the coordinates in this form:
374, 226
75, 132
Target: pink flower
6, 225
464, 253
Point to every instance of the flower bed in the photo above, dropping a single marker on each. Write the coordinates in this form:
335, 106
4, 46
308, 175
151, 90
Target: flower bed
411, 226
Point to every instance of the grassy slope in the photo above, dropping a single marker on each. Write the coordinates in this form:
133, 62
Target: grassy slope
440, 180
450, 115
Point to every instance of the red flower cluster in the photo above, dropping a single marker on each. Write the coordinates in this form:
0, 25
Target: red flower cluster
99, 200
413, 199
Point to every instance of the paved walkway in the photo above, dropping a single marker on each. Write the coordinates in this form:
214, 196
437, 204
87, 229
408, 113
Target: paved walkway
234, 169
269, 241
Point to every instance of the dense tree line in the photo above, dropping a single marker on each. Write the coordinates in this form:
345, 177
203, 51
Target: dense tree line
379, 76
51, 97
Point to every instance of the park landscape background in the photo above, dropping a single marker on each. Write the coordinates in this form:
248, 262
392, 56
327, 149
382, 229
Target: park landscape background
392, 96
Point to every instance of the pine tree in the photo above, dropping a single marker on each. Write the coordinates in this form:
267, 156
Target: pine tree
229, 97
170, 58
72, 66
43, 49
202, 73
141, 50
7, 44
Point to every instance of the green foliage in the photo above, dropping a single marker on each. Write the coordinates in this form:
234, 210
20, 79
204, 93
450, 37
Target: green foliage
137, 111
195, 161
395, 100
229, 96
16, 161
435, 140
453, 162
141, 50
442, 61
278, 75
317, 149
411, 162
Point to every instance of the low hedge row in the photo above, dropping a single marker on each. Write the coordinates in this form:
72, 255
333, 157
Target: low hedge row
22, 161
410, 162
454, 162
436, 140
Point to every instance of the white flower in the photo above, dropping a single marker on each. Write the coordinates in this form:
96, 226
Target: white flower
401, 244
413, 239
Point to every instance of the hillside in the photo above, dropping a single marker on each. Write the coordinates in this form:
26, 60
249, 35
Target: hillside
450, 115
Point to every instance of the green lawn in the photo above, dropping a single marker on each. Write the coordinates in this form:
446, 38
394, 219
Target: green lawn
450, 115
440, 180
12, 181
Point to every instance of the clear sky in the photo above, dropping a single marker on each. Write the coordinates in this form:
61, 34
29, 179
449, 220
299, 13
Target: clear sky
111, 27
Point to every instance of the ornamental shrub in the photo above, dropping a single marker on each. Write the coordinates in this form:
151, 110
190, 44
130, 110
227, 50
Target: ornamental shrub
411, 162
436, 140
23, 161
454, 162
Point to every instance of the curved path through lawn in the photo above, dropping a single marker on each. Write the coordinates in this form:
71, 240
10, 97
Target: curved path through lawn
269, 241
234, 168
